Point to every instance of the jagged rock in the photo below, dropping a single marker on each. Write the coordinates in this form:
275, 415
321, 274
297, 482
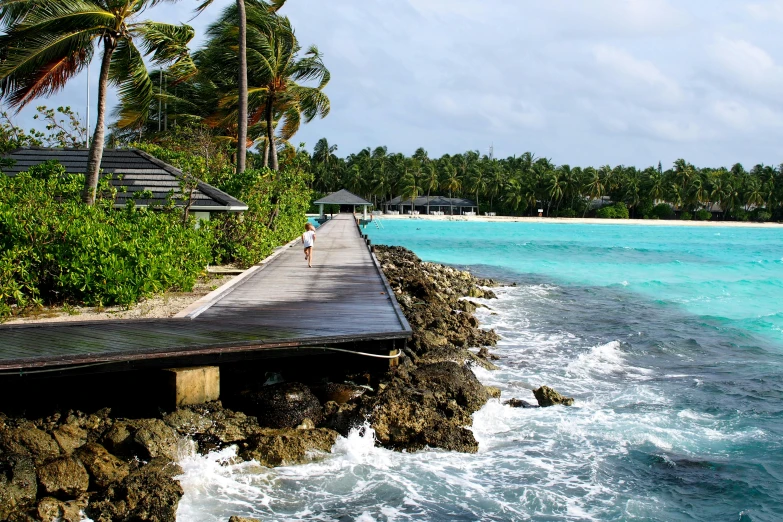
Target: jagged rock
156, 439
430, 406
284, 447
50, 509
69, 437
493, 392
546, 396
119, 439
29, 440
341, 417
148, 494
104, 467
519, 403
18, 485
212, 426
485, 354
337, 392
243, 519
306, 424
64, 476
283, 405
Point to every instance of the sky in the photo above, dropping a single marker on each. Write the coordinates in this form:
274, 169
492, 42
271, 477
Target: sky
582, 82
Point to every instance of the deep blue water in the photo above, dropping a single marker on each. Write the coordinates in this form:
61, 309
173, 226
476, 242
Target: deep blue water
669, 338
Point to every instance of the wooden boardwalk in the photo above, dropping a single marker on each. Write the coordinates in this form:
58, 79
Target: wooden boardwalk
281, 305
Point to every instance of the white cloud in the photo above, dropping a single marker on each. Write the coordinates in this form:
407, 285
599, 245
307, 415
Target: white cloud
641, 76
743, 63
770, 11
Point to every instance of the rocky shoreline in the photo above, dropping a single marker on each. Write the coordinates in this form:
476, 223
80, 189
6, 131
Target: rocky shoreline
110, 469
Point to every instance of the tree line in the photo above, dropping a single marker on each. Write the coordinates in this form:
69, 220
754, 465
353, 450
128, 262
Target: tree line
520, 185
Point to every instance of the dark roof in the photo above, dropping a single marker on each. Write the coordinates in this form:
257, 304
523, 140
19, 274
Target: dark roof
132, 171
435, 201
342, 197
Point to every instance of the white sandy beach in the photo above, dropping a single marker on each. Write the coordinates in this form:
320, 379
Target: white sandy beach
587, 221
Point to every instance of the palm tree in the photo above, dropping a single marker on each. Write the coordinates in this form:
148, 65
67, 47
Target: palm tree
429, 181
451, 182
594, 188
242, 79
48, 42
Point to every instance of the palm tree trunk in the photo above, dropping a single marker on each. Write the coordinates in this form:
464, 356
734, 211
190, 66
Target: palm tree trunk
266, 154
96, 147
428, 202
270, 134
242, 118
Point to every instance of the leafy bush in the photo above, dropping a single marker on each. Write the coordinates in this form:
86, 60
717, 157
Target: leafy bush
56, 249
702, 215
567, 213
762, 216
277, 202
740, 214
617, 211
662, 211
686, 216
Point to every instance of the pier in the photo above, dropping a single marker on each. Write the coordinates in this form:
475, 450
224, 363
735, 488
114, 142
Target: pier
278, 308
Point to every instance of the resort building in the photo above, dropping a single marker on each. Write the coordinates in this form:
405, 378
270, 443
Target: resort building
348, 201
435, 204
137, 176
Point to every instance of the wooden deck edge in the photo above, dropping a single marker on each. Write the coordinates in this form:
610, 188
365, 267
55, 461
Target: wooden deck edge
395, 304
64, 362
205, 303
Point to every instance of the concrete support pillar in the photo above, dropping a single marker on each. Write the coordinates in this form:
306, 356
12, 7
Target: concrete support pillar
321, 210
364, 211
193, 385
394, 362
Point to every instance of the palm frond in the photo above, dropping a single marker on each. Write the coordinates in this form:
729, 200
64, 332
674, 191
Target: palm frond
129, 73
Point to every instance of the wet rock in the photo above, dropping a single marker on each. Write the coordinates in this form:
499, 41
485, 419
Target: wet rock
546, 396
156, 439
341, 417
519, 403
104, 467
283, 405
243, 519
430, 406
284, 447
337, 392
69, 437
29, 440
148, 494
212, 426
493, 392
18, 485
50, 509
64, 476
119, 439
485, 354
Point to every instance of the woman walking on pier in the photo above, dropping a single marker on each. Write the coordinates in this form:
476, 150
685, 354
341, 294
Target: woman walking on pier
308, 240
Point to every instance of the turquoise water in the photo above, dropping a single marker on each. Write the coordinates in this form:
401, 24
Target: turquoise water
670, 340
733, 276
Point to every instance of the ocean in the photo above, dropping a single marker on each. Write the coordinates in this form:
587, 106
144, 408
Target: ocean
669, 338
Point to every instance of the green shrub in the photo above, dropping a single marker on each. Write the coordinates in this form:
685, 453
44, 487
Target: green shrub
567, 213
686, 216
616, 211
662, 211
740, 214
702, 215
762, 216
277, 202
55, 249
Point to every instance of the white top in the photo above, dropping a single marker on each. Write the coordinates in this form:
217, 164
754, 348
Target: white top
308, 238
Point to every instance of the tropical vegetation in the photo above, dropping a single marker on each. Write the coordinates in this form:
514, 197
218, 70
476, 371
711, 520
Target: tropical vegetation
521, 185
